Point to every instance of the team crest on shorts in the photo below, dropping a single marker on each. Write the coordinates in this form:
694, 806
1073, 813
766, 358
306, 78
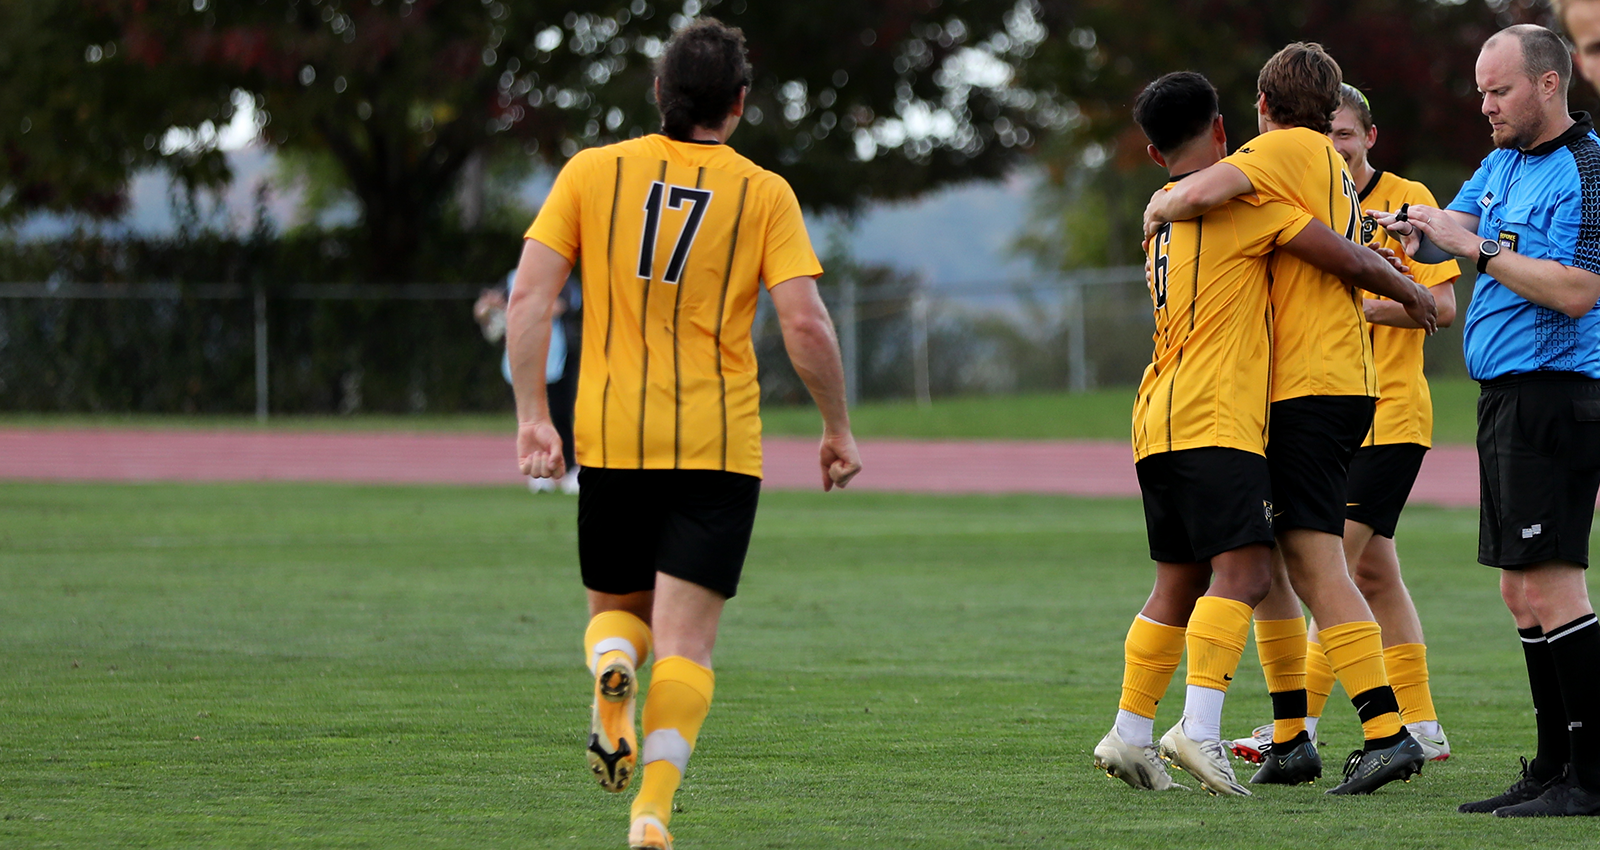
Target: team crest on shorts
1266, 507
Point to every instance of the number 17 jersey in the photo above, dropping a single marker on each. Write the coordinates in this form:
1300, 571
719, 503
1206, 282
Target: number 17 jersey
1207, 383
674, 240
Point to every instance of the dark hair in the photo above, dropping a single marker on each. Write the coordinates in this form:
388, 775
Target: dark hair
1352, 99
701, 73
1301, 84
1175, 109
1542, 52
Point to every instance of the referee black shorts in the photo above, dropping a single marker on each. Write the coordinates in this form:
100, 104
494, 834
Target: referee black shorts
1310, 443
1381, 478
692, 524
1203, 502
1538, 468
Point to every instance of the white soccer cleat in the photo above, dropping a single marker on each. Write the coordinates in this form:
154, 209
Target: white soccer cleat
1253, 748
1140, 767
1206, 761
648, 833
1434, 748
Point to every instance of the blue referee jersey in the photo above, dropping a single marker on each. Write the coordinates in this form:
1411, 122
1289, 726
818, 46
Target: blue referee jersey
1542, 203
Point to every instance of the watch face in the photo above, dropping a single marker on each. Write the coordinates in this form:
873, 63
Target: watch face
1489, 247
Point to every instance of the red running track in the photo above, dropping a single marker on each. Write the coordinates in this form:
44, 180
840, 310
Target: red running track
1449, 475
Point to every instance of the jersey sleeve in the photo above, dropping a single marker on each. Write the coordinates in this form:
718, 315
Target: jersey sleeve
1266, 225
786, 252
556, 225
1276, 163
1466, 200
1571, 222
1431, 274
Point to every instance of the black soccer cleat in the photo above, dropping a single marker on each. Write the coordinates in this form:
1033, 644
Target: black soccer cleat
1293, 762
1562, 799
1524, 789
1365, 771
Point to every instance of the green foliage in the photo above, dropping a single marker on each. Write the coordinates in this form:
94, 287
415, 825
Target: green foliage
851, 100
329, 666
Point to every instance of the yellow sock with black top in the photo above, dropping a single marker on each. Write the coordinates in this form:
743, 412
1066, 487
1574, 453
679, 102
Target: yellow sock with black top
1355, 651
1407, 665
674, 709
1282, 647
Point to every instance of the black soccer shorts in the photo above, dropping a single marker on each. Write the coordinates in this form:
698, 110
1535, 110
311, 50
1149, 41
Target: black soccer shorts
692, 524
1203, 502
1538, 468
1381, 478
1310, 442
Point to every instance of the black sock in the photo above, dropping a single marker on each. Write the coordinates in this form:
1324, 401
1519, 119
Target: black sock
1549, 712
1575, 650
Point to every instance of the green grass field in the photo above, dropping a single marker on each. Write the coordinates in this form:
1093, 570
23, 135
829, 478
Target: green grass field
1098, 415
336, 666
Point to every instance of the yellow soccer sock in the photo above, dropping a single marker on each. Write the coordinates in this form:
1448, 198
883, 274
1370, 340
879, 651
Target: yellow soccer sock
1217, 632
1282, 647
1150, 656
1319, 679
1355, 651
674, 709
1407, 665
615, 631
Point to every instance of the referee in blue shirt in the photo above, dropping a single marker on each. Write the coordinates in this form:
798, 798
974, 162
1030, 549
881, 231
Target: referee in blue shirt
1530, 218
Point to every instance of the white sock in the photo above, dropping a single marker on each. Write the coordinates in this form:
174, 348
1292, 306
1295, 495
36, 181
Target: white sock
1135, 731
1311, 728
1202, 713
1429, 728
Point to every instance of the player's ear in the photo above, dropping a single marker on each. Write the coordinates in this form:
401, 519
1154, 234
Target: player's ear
738, 103
1156, 155
1219, 134
1261, 104
1372, 135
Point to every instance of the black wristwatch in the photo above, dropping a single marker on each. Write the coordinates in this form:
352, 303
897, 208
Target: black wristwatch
1488, 250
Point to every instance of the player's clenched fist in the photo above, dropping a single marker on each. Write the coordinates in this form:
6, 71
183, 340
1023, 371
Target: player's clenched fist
539, 450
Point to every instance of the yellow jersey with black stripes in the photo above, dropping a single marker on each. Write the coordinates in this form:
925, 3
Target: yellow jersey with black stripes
1405, 406
674, 240
1208, 379
1320, 343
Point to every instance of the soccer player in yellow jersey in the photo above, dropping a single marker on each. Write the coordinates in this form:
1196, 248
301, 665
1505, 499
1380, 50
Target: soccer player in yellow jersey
676, 233
1385, 467
1199, 440
1323, 386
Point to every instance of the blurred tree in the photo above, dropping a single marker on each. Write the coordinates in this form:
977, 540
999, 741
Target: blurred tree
852, 99
1413, 58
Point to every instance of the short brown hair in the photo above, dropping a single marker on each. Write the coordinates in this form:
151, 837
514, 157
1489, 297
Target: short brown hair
1542, 52
1301, 85
701, 72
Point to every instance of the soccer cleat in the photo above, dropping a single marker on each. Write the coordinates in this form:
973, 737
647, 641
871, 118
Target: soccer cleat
612, 750
1206, 761
1434, 748
1140, 767
1562, 799
648, 833
1251, 749
1293, 762
1524, 789
1365, 771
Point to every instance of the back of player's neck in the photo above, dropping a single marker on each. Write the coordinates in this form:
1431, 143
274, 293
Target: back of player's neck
1186, 164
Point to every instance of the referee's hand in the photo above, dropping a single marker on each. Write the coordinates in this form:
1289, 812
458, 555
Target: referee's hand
539, 450
840, 460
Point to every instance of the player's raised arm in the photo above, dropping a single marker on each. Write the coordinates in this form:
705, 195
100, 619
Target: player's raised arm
814, 350
1318, 245
540, 275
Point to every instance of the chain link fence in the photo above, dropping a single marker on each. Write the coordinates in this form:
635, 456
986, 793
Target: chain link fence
347, 348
